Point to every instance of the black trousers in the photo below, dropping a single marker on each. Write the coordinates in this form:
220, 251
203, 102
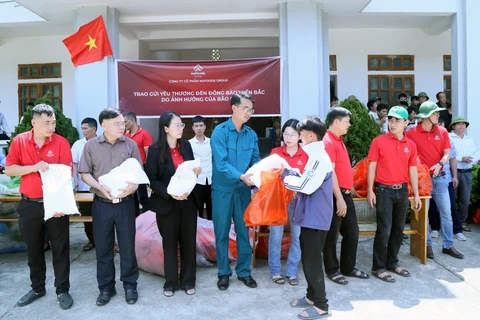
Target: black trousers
106, 218
391, 211
434, 215
348, 228
205, 194
32, 227
311, 244
142, 193
85, 209
179, 227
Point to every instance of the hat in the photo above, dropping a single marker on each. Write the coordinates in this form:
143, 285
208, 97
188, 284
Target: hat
427, 109
423, 95
459, 119
398, 112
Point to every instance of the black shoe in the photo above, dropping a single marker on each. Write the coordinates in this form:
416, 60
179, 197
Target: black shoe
222, 283
30, 297
89, 246
453, 252
65, 300
131, 296
104, 297
430, 254
248, 281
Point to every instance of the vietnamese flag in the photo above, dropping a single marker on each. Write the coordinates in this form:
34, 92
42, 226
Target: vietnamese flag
90, 43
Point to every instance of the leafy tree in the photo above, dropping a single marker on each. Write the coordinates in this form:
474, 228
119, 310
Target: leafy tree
64, 126
362, 131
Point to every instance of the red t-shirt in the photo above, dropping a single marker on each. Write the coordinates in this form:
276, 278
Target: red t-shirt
176, 156
393, 158
25, 152
298, 160
339, 156
430, 144
143, 140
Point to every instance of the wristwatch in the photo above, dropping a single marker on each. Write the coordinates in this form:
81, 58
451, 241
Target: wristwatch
441, 163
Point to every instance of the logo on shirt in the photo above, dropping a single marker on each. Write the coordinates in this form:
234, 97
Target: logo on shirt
406, 150
437, 138
50, 153
299, 162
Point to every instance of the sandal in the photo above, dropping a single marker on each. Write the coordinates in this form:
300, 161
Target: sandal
293, 281
278, 279
190, 291
358, 274
338, 278
312, 313
168, 293
383, 275
400, 271
466, 228
301, 303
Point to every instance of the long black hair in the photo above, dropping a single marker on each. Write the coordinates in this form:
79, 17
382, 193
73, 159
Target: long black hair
164, 121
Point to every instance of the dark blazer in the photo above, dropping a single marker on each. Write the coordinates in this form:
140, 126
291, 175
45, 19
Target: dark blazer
160, 174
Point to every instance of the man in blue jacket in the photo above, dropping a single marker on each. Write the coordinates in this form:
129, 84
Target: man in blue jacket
313, 213
234, 149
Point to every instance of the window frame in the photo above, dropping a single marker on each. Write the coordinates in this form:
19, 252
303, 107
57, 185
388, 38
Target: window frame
445, 58
333, 60
40, 66
392, 92
448, 92
391, 66
40, 86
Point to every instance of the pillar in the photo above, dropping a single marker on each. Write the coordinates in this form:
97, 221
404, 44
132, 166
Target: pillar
304, 50
95, 83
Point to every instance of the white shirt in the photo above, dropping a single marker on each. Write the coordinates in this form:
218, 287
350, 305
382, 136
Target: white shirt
374, 115
203, 152
4, 128
77, 150
465, 148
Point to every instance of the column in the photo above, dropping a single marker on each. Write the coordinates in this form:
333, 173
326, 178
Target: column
304, 50
466, 65
95, 83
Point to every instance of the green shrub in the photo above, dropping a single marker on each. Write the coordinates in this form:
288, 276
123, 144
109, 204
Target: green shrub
475, 196
64, 125
362, 131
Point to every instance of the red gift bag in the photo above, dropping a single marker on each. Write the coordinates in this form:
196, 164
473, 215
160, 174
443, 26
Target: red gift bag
269, 206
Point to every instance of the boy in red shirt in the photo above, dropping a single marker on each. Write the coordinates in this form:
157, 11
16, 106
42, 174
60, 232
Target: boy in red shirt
392, 159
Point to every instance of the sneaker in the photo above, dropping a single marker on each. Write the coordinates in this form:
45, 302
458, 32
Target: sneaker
460, 236
434, 234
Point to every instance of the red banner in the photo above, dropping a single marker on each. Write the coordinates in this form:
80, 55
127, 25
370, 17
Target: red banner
191, 88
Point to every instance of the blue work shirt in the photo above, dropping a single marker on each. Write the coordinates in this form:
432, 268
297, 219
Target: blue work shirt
447, 168
233, 153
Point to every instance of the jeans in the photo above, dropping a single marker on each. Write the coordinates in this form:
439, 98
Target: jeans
348, 228
464, 191
275, 244
442, 200
391, 211
434, 216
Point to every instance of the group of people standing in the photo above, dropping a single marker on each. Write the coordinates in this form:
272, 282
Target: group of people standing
321, 176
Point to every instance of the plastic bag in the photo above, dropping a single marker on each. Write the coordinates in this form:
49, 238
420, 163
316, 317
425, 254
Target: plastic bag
424, 181
57, 191
269, 206
184, 180
10, 237
130, 170
476, 216
268, 164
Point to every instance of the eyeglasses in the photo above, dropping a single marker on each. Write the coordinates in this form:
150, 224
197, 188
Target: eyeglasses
248, 110
292, 135
179, 125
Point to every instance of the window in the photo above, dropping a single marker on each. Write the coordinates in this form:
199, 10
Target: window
29, 92
390, 63
333, 63
39, 71
388, 87
447, 63
447, 87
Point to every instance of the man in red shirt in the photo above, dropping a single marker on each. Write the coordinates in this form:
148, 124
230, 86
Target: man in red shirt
433, 144
143, 139
31, 152
392, 159
344, 218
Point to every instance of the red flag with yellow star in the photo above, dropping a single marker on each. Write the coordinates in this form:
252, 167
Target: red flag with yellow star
90, 43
